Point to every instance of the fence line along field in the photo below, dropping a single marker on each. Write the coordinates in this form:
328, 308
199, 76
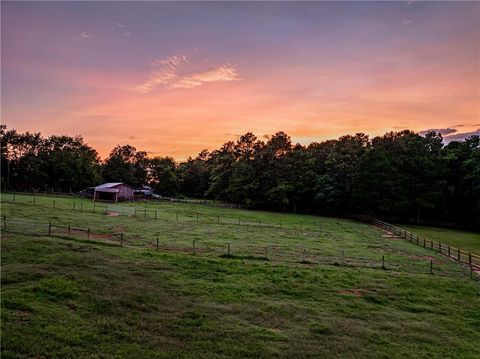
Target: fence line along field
168, 280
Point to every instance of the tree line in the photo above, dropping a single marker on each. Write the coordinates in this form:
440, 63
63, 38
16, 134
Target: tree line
400, 176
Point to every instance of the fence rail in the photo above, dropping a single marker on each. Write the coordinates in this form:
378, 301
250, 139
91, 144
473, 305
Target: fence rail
454, 253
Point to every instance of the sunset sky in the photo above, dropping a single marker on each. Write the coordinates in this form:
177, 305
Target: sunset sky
174, 78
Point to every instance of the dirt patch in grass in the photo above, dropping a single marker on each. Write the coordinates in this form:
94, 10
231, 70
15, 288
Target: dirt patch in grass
390, 235
112, 213
356, 292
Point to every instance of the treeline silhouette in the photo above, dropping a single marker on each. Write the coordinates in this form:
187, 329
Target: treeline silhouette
400, 176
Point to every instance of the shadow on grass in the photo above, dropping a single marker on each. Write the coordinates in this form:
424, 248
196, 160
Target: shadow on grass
249, 257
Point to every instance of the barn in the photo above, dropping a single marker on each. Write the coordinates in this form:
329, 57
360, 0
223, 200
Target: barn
113, 192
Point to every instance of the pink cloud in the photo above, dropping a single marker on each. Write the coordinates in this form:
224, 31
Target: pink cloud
178, 72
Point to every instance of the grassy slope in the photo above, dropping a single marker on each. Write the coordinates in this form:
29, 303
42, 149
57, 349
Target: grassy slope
69, 298
468, 241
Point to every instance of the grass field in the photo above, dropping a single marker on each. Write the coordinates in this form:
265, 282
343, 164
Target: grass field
318, 291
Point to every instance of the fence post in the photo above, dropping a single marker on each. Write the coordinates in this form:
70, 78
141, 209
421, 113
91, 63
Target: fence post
449, 251
157, 243
440, 247
49, 228
470, 258
121, 239
218, 219
431, 244
303, 256
383, 261
424, 243
4, 223
145, 212
193, 246
417, 240
34, 199
69, 230
228, 249
431, 266
88, 233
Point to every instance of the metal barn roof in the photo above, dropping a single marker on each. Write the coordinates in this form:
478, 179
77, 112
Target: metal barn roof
109, 185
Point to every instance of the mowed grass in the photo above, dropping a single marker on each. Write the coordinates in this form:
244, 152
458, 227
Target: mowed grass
468, 241
66, 297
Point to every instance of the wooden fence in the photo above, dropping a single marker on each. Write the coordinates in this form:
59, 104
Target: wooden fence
454, 253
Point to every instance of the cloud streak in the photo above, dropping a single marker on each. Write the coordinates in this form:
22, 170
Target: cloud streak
178, 71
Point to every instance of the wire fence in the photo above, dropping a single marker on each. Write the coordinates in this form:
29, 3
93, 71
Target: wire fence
274, 252
181, 215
